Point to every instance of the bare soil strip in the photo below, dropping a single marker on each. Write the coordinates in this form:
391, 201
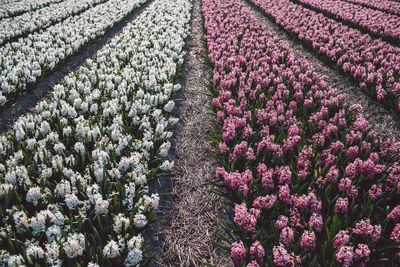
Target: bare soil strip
382, 122
185, 239
27, 102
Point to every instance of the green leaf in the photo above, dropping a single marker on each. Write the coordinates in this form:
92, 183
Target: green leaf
11, 245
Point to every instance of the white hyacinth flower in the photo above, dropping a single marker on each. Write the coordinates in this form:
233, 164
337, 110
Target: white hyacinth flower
140, 220
74, 246
169, 106
111, 250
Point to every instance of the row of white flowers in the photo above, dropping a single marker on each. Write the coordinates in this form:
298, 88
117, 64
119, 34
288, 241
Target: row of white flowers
73, 175
42, 18
2, 2
13, 8
22, 62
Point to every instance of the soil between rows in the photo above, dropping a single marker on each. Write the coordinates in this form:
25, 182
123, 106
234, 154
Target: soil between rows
185, 239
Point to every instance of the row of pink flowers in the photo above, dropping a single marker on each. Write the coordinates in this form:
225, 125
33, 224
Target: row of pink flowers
383, 5
375, 21
307, 177
375, 64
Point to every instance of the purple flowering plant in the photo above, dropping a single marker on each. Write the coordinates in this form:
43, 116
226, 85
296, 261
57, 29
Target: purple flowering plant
371, 63
306, 180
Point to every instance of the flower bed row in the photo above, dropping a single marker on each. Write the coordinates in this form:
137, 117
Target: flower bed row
383, 5
24, 61
74, 175
2, 2
306, 180
374, 64
11, 28
15, 8
377, 22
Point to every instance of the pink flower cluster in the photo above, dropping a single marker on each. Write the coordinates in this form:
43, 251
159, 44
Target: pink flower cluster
341, 205
347, 255
257, 251
238, 252
375, 64
396, 233
365, 229
236, 180
308, 240
394, 215
283, 258
246, 219
341, 239
293, 158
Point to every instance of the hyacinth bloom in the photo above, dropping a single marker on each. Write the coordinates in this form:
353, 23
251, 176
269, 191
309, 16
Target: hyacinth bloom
394, 215
292, 155
257, 251
246, 219
341, 205
316, 222
238, 252
345, 255
395, 235
282, 222
342, 238
362, 252
287, 235
308, 240
364, 228
372, 62
283, 258
264, 202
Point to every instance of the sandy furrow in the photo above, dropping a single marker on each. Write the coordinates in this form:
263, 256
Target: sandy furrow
382, 123
185, 238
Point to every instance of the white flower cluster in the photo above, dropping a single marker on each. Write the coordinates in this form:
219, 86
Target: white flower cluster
135, 254
42, 18
74, 245
86, 153
23, 61
10, 8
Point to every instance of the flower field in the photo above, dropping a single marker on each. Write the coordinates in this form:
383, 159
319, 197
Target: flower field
13, 8
383, 5
74, 174
307, 180
299, 174
373, 63
375, 21
11, 28
25, 60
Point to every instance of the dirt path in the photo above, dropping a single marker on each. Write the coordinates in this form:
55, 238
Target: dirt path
187, 235
382, 123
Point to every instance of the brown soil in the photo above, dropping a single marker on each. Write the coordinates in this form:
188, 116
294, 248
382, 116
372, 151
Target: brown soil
186, 238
